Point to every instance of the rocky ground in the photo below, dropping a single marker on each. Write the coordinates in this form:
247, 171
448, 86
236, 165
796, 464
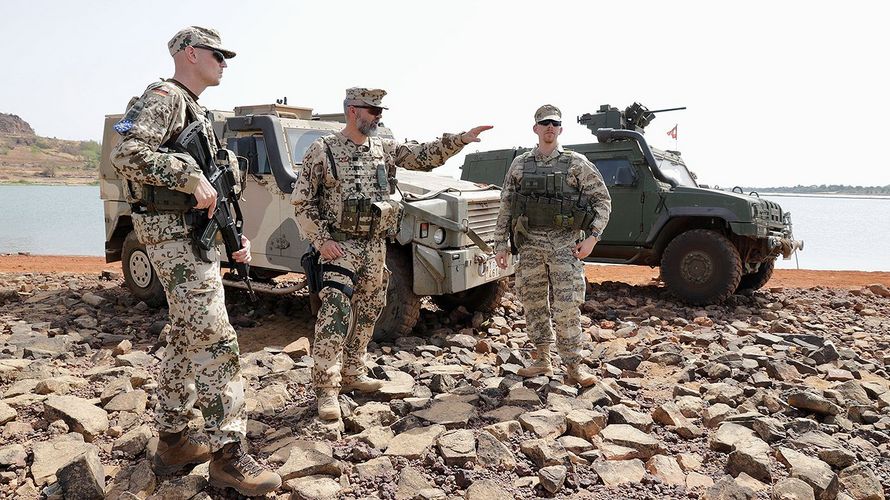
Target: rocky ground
782, 393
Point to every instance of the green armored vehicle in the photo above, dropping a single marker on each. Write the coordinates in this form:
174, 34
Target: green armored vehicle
436, 252
709, 243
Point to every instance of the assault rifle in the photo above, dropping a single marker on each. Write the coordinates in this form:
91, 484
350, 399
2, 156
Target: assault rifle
227, 219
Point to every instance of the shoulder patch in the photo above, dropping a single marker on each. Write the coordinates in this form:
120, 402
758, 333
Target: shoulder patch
160, 92
126, 123
123, 126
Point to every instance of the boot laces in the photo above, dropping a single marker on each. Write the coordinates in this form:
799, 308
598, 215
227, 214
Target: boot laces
247, 464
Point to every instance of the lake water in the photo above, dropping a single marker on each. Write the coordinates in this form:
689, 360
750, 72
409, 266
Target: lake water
841, 233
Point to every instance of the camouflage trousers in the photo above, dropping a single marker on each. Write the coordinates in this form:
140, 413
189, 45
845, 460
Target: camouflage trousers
345, 325
550, 281
200, 366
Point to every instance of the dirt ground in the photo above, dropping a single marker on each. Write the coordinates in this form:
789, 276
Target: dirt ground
634, 275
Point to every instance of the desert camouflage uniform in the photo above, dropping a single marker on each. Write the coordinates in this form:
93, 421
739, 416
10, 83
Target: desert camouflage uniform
200, 365
547, 270
345, 326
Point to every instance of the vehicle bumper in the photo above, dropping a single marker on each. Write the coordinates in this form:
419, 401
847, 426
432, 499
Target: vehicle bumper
438, 272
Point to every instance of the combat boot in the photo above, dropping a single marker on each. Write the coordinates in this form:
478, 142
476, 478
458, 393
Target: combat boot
581, 374
362, 383
541, 366
178, 449
328, 404
232, 467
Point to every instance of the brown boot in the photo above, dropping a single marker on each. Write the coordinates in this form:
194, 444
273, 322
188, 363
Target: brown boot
541, 366
581, 374
232, 467
177, 450
362, 383
328, 404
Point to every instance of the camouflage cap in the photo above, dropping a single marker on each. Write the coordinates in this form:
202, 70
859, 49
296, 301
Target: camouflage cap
362, 96
548, 112
196, 36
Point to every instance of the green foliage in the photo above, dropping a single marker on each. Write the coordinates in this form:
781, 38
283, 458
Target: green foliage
90, 151
4, 149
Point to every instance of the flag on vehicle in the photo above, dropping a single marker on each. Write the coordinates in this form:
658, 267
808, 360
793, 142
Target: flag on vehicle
673, 132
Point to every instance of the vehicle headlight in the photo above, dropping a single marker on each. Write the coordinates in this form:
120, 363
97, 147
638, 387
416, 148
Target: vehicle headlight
439, 236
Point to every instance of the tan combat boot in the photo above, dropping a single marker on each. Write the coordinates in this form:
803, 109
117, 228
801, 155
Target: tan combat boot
232, 467
177, 450
362, 383
328, 404
541, 366
581, 374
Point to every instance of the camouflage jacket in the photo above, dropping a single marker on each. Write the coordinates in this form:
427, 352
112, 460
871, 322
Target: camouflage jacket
152, 120
317, 192
582, 175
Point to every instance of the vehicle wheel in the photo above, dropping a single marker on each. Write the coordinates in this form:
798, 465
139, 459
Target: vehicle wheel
755, 280
402, 306
139, 276
701, 266
484, 298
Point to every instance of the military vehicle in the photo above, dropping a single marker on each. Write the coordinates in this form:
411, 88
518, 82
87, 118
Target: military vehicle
436, 252
709, 243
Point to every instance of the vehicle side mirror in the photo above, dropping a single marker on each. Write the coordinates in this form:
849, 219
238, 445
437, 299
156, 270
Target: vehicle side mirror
625, 176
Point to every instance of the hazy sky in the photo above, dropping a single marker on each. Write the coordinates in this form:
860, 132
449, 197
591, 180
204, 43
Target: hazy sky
778, 92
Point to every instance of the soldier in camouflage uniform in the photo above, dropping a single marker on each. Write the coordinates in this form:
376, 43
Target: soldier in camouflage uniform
200, 366
554, 205
342, 205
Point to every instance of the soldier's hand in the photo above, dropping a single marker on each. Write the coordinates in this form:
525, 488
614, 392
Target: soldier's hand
473, 134
206, 196
501, 259
583, 249
330, 250
243, 255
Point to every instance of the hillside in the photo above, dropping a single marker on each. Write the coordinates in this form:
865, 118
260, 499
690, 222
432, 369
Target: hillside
26, 157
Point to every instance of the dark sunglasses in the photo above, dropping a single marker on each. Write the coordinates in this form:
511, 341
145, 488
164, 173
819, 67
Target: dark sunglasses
216, 54
545, 123
374, 110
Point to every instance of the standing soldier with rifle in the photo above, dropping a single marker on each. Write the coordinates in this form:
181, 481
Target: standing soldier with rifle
342, 206
554, 206
173, 203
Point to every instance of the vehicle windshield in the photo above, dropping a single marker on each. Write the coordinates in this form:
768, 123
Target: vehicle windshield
676, 171
299, 140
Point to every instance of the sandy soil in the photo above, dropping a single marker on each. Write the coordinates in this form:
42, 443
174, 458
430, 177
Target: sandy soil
634, 275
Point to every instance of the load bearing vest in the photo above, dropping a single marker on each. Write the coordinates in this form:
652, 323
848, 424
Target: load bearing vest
546, 200
363, 198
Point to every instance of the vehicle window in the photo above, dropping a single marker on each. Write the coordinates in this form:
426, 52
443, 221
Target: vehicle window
677, 172
300, 139
615, 171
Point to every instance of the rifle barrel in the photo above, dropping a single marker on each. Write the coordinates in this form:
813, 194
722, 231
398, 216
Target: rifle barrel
667, 109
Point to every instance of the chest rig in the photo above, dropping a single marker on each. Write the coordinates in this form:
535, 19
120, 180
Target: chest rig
149, 199
546, 200
363, 199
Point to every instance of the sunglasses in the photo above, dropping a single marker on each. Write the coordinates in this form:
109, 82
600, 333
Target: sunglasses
545, 123
216, 54
373, 110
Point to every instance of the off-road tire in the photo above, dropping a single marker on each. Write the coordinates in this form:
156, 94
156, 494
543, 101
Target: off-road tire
139, 275
402, 307
485, 298
701, 266
756, 280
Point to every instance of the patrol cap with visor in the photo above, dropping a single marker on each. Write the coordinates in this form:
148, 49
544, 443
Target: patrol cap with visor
548, 112
202, 38
365, 98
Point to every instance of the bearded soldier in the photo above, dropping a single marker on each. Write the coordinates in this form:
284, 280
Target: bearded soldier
200, 365
554, 206
342, 206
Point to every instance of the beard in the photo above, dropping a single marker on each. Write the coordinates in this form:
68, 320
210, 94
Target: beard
367, 128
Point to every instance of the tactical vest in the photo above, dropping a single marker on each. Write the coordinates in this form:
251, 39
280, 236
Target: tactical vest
363, 198
152, 199
546, 200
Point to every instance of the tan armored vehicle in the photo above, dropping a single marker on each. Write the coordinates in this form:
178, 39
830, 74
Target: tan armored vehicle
436, 252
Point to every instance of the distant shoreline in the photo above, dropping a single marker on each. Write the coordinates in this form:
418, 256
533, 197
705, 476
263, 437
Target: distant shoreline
826, 195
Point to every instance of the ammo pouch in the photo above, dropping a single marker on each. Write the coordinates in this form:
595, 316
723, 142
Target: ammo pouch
543, 212
356, 217
159, 199
387, 216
